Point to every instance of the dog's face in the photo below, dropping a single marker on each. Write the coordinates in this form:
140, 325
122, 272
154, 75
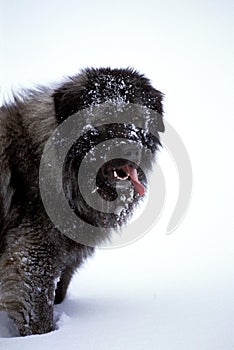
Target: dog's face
120, 175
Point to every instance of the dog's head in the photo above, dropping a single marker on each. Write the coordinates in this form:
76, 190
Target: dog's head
125, 98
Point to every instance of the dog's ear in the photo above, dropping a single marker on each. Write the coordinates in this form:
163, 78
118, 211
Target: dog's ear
68, 99
160, 124
157, 104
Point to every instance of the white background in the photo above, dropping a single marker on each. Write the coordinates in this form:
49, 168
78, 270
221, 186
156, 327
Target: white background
162, 292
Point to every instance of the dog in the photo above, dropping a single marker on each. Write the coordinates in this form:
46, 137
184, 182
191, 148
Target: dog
37, 259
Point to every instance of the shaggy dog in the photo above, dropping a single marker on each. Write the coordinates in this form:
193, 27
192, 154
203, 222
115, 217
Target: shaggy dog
37, 260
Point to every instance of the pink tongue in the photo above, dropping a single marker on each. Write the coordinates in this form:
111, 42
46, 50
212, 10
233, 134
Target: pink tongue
134, 178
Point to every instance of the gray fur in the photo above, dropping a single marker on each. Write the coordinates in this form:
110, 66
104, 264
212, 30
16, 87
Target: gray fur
36, 261
32, 255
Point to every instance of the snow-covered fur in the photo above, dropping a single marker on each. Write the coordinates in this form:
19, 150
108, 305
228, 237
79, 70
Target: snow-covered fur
37, 261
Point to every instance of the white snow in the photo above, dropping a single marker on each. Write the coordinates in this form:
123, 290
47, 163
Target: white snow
162, 292
170, 301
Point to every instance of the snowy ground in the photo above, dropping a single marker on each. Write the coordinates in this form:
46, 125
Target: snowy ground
167, 293
163, 292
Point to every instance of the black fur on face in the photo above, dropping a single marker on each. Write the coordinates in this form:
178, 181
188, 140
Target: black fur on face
96, 86
112, 173
90, 88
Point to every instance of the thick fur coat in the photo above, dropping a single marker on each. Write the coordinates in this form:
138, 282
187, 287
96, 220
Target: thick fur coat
37, 261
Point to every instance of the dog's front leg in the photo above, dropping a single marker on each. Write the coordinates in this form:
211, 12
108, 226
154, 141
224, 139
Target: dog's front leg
27, 282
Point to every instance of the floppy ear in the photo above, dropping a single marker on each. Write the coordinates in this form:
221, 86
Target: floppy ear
160, 124
157, 105
68, 99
